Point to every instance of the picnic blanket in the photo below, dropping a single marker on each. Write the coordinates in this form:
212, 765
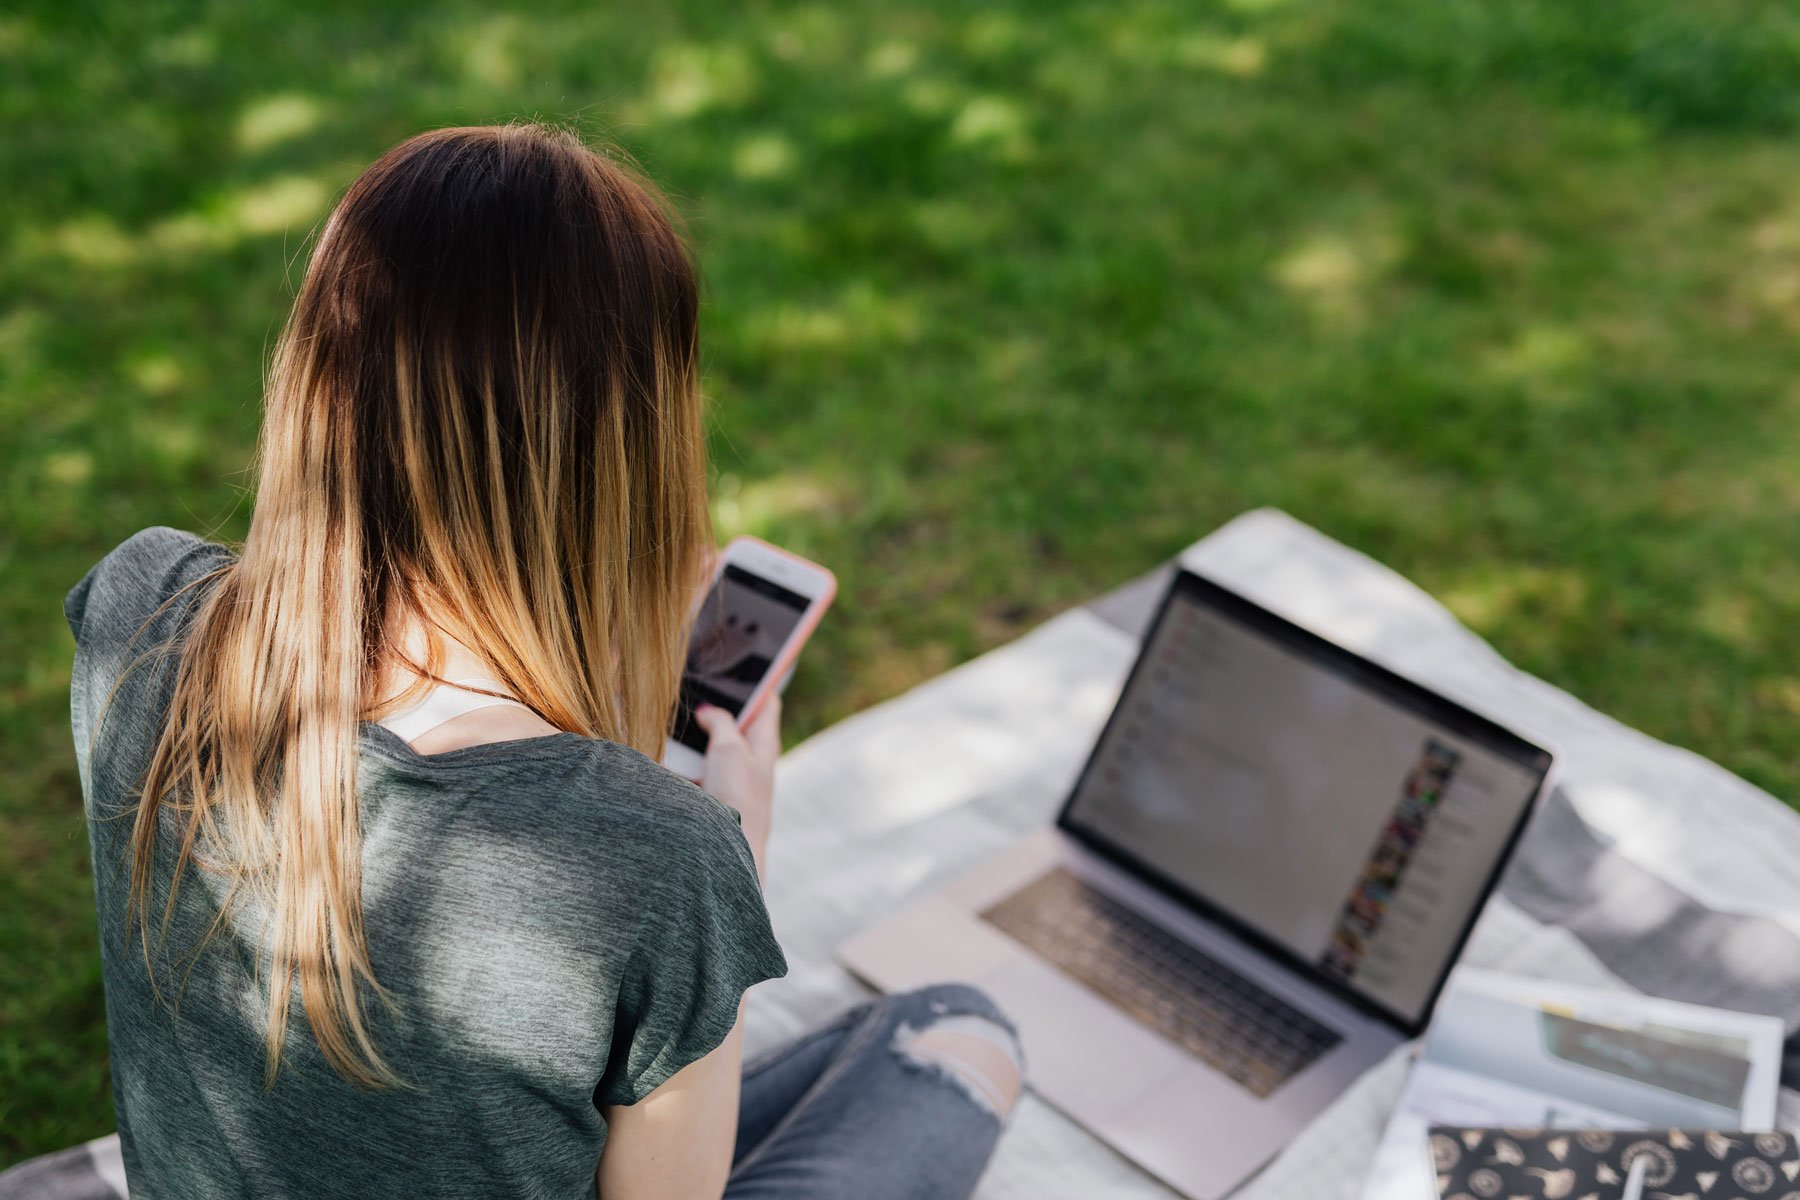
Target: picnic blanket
1647, 869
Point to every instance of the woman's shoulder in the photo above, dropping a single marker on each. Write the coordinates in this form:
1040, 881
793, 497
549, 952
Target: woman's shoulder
628, 792
635, 840
597, 808
124, 590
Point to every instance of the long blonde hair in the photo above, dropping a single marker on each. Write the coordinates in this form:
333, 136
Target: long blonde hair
485, 407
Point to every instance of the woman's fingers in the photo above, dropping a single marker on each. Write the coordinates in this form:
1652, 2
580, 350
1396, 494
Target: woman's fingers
763, 734
722, 733
740, 768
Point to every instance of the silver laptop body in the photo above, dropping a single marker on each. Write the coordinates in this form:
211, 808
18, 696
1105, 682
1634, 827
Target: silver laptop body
1253, 893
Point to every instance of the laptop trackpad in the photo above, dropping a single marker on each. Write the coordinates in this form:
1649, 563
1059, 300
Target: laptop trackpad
1081, 1054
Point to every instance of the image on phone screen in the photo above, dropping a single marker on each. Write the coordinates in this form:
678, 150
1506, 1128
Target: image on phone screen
743, 623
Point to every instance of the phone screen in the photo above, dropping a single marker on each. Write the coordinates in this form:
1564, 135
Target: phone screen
743, 623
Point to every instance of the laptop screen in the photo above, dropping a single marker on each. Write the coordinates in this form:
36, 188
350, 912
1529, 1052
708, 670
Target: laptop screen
1349, 817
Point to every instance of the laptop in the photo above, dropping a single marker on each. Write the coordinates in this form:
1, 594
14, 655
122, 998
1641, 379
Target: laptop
1253, 893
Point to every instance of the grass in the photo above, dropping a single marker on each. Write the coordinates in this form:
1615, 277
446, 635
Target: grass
1004, 304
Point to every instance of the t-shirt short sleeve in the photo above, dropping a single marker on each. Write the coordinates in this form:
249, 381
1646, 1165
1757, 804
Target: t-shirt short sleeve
704, 939
123, 590
125, 613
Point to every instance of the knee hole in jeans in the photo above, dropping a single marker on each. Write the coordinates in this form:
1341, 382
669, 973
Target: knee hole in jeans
977, 1055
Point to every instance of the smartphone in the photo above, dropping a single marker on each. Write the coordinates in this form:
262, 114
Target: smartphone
761, 606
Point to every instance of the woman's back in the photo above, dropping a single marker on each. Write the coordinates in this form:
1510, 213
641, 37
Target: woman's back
559, 923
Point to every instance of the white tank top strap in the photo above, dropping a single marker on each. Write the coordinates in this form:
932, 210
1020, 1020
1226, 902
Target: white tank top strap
446, 702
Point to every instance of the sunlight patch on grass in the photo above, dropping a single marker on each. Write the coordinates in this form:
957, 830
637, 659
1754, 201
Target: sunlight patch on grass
861, 315
794, 327
994, 123
1498, 593
930, 96
489, 51
276, 119
16, 33
1730, 616
157, 374
763, 156
892, 59
1321, 265
1240, 57
278, 205
91, 240
755, 507
689, 79
1332, 271
187, 234
1780, 695
177, 443
1544, 359
1779, 234
1770, 282
286, 204
1775, 291
68, 468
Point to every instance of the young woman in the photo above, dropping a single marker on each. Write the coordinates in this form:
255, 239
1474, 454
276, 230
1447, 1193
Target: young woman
393, 898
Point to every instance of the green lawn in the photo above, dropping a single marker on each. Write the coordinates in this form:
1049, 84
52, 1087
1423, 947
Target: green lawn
1004, 304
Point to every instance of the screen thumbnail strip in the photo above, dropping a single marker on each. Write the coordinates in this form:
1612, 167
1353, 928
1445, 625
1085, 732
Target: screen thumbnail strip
1367, 908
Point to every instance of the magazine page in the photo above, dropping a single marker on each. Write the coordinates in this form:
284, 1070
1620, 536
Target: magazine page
1527, 1053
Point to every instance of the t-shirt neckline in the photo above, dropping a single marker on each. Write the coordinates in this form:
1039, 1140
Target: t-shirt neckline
390, 745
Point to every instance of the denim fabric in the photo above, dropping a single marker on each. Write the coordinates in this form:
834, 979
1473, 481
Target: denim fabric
844, 1112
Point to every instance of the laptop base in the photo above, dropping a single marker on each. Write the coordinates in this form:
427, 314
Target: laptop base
1150, 1099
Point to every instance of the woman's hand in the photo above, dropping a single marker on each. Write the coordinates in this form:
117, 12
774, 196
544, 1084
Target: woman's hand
740, 767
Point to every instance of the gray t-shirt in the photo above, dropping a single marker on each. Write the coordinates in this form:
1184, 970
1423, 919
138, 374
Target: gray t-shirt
563, 924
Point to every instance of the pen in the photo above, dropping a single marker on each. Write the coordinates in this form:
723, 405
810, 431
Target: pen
1634, 1179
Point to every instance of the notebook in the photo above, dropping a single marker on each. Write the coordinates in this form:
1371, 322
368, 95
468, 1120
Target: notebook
1592, 1164
1510, 1052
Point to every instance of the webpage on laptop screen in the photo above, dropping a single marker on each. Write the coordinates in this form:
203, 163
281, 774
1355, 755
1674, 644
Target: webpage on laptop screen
1319, 812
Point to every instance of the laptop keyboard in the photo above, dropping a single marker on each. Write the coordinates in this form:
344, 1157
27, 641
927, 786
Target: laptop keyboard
1184, 994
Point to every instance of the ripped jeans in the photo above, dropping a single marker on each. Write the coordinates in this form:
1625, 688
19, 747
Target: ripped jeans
902, 1097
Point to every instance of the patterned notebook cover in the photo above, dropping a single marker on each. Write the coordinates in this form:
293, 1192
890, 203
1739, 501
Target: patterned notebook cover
1591, 1164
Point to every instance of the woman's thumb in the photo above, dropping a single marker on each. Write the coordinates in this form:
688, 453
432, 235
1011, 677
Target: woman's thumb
721, 727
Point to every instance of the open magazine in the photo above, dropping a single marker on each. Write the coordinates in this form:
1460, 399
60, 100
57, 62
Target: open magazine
1521, 1053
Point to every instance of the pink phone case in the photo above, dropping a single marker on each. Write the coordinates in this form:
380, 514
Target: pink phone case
796, 640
